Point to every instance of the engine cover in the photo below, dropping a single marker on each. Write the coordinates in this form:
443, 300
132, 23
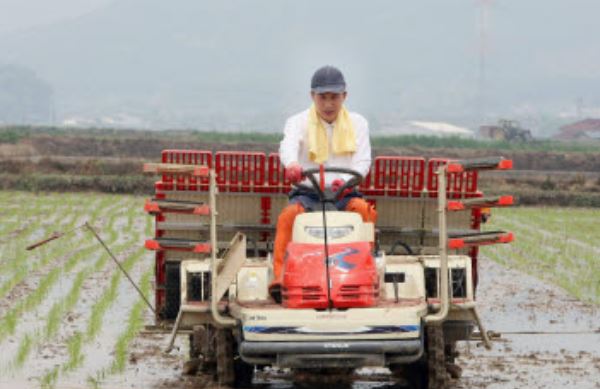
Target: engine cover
352, 270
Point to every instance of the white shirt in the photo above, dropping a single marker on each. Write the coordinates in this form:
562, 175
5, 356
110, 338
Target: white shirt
294, 147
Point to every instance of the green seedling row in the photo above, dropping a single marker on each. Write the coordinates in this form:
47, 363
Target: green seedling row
554, 245
99, 309
134, 324
42, 215
10, 320
22, 260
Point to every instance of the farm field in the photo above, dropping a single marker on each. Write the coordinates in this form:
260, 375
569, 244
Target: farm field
559, 245
69, 318
67, 314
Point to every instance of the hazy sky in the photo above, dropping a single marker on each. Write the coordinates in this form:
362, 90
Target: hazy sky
192, 62
18, 15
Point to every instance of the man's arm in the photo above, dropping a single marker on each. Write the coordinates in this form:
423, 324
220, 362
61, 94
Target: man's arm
290, 144
361, 159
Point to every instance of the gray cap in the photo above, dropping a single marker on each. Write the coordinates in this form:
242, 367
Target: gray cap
328, 79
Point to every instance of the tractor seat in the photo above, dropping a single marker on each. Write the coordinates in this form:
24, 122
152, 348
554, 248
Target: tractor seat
318, 208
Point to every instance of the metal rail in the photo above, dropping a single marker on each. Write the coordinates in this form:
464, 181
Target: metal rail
441, 314
219, 319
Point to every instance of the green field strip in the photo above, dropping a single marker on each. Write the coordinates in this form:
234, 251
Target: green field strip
555, 256
544, 240
56, 313
103, 211
20, 264
578, 231
109, 296
23, 223
561, 239
49, 226
550, 256
530, 248
135, 322
559, 249
582, 224
546, 230
22, 269
582, 285
76, 342
9, 321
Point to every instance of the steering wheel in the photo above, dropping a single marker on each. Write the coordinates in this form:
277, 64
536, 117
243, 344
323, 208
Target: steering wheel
351, 183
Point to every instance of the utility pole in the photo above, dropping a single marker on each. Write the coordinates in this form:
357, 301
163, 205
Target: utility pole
484, 6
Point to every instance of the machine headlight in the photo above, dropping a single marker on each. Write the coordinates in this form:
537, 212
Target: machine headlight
332, 232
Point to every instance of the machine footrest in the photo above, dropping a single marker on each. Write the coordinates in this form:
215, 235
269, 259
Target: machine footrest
480, 202
495, 163
174, 168
155, 206
480, 239
159, 244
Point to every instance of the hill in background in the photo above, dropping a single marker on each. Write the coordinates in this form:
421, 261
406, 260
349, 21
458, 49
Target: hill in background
241, 65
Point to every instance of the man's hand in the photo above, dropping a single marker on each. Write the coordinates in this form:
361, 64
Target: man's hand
293, 172
337, 184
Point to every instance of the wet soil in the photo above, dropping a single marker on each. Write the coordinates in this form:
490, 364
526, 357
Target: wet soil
549, 339
567, 354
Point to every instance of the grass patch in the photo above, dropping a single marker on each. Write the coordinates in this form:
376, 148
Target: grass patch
135, 322
555, 244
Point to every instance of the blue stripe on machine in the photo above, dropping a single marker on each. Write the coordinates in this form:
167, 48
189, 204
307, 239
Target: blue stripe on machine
299, 330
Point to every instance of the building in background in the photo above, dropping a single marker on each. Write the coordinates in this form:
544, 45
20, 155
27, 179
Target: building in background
583, 129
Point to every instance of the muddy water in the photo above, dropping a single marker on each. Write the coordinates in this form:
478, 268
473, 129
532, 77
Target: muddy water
512, 302
509, 302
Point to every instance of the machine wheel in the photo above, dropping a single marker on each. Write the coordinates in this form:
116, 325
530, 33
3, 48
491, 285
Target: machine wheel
437, 376
430, 371
413, 374
202, 347
231, 370
172, 290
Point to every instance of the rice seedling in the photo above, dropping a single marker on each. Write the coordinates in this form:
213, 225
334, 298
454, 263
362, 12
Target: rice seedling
554, 245
69, 255
49, 379
24, 349
74, 345
134, 324
98, 311
9, 321
110, 294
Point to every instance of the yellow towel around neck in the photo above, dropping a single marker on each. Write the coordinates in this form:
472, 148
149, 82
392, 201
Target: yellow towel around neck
344, 136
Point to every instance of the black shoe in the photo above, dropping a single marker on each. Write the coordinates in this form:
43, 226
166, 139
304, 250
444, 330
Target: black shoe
275, 292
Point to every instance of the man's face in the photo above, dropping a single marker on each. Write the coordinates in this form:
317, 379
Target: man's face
328, 104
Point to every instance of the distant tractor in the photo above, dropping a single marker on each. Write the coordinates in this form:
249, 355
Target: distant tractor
399, 294
508, 130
